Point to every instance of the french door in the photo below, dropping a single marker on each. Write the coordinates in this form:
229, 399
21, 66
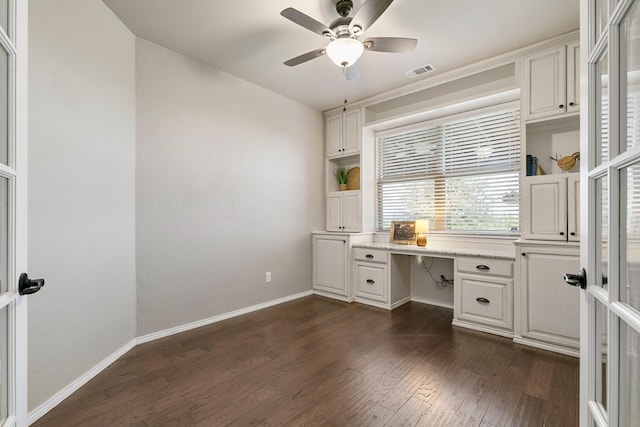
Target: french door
13, 214
610, 250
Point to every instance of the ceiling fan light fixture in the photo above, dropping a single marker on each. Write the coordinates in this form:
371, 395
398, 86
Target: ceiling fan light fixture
344, 52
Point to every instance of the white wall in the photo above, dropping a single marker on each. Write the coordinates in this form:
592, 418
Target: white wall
81, 190
424, 288
229, 186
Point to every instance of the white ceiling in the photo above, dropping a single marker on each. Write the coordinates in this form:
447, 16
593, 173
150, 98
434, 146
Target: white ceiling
249, 38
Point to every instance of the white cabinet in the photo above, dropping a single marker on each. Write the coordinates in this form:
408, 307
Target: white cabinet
343, 211
343, 134
549, 308
483, 295
552, 79
552, 207
332, 263
381, 278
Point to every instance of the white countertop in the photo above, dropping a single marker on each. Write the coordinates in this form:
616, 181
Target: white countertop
437, 250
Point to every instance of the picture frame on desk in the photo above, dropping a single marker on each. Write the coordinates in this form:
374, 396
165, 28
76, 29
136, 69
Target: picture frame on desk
403, 232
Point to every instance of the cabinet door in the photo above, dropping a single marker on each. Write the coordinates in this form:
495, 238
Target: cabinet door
545, 75
351, 211
351, 132
334, 135
550, 308
371, 282
334, 212
573, 77
546, 201
573, 207
330, 264
485, 300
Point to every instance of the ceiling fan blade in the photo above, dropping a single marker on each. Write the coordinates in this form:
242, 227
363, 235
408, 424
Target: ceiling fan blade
390, 44
305, 57
306, 21
368, 13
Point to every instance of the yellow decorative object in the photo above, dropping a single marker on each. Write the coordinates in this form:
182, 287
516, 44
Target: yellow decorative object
566, 163
422, 228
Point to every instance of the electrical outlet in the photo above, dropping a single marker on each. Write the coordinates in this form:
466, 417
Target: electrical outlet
267, 277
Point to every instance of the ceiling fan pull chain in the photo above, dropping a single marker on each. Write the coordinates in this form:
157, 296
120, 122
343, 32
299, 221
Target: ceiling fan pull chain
344, 76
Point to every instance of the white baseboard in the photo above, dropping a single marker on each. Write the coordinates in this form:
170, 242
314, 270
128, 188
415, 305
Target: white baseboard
432, 302
182, 328
57, 398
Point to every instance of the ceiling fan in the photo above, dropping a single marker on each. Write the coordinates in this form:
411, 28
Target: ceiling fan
344, 32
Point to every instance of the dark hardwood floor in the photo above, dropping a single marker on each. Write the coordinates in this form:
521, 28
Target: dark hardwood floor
317, 362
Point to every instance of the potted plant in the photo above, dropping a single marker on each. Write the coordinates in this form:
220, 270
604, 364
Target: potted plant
341, 176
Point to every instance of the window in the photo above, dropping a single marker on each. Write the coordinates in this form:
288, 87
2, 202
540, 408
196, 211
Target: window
460, 172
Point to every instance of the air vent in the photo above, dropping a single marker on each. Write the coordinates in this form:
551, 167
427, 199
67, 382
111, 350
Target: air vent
420, 71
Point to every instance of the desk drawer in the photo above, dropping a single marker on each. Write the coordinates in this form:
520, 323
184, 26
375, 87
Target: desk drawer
370, 255
486, 266
371, 282
486, 302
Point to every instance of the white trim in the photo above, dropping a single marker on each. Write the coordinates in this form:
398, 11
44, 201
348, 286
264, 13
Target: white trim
57, 398
432, 302
182, 328
548, 347
482, 328
332, 296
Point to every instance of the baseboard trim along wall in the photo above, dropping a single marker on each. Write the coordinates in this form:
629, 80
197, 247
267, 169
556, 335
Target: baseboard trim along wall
57, 398
183, 328
432, 302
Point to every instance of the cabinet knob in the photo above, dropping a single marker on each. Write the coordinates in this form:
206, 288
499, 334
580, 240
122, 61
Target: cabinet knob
482, 300
561, 106
482, 267
571, 104
524, 254
370, 281
369, 256
573, 233
562, 233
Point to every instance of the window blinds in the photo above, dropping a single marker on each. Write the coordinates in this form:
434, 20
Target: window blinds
462, 174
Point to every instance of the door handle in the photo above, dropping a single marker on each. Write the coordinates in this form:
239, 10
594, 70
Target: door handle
578, 279
28, 286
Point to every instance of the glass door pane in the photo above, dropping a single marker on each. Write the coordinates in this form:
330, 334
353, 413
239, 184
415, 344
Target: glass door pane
602, 16
629, 381
4, 363
630, 236
630, 44
602, 314
4, 106
602, 110
602, 231
4, 15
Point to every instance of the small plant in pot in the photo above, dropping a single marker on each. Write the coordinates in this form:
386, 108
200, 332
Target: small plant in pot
341, 176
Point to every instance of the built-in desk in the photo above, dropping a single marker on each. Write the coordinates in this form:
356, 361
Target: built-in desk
483, 281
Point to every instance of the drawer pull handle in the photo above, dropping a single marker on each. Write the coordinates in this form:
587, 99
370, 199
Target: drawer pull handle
370, 281
482, 267
482, 300
369, 256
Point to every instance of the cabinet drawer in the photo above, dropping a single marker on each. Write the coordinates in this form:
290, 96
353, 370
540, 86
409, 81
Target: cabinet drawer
485, 302
370, 255
492, 267
370, 282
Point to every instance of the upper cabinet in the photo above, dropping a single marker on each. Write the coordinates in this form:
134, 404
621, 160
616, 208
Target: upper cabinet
552, 207
343, 134
551, 82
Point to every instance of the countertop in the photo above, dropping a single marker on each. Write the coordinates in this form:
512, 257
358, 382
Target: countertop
437, 250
